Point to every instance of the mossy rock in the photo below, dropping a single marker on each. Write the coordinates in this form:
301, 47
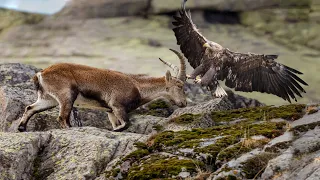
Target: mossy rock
267, 129
288, 112
186, 118
142, 151
236, 150
304, 128
254, 166
162, 167
159, 108
230, 135
312, 111
218, 143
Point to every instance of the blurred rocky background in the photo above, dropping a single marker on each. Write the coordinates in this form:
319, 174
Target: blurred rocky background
130, 35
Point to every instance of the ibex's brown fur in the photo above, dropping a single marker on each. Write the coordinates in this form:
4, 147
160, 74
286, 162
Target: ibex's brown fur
61, 84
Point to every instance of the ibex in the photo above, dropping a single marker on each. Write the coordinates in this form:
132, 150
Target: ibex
64, 83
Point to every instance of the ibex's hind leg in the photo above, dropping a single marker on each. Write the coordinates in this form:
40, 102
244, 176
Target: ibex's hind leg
42, 104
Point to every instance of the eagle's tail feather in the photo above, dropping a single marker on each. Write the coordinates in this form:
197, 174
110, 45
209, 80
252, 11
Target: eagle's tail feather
220, 92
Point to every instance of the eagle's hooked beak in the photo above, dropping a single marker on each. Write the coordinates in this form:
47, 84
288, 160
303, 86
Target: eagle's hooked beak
206, 45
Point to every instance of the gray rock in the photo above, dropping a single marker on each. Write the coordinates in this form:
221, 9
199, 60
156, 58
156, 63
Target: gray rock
306, 120
278, 164
307, 143
82, 9
203, 121
197, 94
279, 143
81, 153
16, 73
239, 101
18, 153
144, 124
207, 107
306, 168
184, 174
287, 166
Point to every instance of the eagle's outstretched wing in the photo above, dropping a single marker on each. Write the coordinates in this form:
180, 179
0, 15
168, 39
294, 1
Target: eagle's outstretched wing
188, 37
253, 72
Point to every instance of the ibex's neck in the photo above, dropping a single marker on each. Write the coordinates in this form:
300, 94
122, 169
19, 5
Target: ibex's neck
150, 87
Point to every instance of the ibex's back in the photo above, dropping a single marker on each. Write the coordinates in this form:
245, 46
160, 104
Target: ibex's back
92, 83
61, 84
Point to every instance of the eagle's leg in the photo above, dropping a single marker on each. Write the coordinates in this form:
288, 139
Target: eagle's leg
208, 77
197, 71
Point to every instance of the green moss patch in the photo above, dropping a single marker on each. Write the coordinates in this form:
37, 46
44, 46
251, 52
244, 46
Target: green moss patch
267, 129
142, 151
161, 167
158, 108
158, 127
186, 118
288, 112
137, 154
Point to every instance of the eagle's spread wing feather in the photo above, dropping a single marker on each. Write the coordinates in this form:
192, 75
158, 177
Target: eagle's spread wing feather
253, 72
189, 38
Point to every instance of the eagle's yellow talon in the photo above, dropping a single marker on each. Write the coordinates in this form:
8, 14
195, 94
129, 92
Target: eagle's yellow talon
198, 80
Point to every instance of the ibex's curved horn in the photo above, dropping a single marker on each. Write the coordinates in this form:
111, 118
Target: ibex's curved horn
182, 72
173, 67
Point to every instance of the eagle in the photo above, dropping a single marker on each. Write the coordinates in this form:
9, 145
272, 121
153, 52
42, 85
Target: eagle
245, 72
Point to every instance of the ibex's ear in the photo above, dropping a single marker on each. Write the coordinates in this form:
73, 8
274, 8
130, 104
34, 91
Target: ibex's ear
168, 76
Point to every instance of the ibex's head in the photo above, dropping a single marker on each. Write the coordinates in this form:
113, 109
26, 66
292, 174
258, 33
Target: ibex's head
174, 85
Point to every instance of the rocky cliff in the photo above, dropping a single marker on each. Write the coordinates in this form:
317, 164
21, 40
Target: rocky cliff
234, 137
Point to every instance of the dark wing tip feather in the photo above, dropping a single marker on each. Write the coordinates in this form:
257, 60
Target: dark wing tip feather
292, 70
265, 75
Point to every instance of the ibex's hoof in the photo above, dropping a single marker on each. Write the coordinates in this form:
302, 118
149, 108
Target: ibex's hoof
22, 129
121, 127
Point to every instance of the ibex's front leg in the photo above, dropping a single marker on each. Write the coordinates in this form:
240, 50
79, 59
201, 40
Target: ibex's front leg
121, 115
113, 119
66, 101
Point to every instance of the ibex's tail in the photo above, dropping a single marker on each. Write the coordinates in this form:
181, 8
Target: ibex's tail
36, 82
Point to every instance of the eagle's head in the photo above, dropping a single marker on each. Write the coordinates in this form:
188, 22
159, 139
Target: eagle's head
212, 46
